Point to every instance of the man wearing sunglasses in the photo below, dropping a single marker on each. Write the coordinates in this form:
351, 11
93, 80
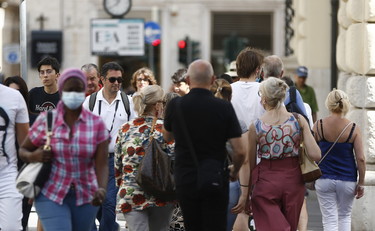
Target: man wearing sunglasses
115, 108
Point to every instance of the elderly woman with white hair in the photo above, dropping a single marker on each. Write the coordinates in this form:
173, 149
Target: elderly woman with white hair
343, 167
141, 210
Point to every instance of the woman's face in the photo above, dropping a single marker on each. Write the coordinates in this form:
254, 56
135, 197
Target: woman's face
14, 86
181, 88
73, 94
142, 81
74, 84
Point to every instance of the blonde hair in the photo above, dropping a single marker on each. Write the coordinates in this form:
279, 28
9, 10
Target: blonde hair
147, 73
337, 101
147, 97
274, 91
222, 89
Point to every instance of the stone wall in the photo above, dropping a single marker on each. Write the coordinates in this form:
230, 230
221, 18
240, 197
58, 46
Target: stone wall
311, 44
356, 61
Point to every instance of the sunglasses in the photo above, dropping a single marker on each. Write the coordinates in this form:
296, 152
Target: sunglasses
142, 79
113, 79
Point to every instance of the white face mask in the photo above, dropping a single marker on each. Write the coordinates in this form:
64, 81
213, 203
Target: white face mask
73, 99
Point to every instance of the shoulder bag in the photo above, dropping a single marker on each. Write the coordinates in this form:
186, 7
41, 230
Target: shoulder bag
32, 176
309, 169
211, 173
155, 174
311, 185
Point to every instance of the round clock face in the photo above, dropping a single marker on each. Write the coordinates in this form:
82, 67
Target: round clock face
117, 8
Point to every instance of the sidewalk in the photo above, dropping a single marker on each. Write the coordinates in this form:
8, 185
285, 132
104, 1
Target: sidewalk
315, 217
314, 224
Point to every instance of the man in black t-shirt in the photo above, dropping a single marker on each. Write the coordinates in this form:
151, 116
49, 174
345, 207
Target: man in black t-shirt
209, 122
45, 98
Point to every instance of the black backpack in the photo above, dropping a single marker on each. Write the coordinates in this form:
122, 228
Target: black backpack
292, 106
124, 97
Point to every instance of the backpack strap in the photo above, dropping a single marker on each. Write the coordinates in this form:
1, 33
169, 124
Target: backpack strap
92, 101
292, 94
5, 116
125, 101
124, 97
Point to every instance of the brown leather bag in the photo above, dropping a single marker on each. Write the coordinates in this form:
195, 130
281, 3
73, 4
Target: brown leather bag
155, 174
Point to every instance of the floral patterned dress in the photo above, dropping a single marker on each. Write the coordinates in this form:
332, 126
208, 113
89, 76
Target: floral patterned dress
133, 136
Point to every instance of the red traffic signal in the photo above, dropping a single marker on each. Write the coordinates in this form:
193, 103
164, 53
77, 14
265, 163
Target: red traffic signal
156, 42
182, 44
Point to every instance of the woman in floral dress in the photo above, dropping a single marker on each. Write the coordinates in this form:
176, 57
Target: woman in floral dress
141, 211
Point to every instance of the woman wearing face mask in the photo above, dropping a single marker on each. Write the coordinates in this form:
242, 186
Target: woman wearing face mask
79, 152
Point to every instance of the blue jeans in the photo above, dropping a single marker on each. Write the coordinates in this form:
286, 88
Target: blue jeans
65, 217
234, 194
107, 213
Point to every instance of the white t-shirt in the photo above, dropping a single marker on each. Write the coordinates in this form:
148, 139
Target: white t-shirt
309, 114
15, 107
113, 119
246, 101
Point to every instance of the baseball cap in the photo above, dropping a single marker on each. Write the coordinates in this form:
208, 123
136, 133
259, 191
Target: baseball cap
302, 71
232, 70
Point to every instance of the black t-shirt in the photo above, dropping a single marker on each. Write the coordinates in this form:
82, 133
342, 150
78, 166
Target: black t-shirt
210, 122
40, 101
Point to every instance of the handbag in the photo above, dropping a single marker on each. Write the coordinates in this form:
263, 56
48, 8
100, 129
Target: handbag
309, 169
155, 175
311, 185
211, 173
32, 176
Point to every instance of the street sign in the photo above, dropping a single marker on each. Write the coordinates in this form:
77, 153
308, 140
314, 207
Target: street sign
12, 53
117, 37
152, 32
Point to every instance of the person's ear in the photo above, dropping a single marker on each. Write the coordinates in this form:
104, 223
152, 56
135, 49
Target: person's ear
281, 74
213, 78
187, 80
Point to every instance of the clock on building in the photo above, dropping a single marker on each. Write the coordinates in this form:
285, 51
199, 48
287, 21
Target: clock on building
117, 8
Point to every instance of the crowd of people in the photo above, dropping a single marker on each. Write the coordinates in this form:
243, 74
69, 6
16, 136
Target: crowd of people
237, 134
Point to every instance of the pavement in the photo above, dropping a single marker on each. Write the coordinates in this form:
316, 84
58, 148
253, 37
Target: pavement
314, 223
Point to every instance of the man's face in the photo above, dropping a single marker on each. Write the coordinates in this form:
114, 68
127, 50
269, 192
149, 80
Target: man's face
92, 81
300, 81
48, 75
112, 81
181, 88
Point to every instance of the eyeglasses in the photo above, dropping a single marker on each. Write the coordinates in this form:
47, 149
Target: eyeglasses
142, 79
45, 72
113, 79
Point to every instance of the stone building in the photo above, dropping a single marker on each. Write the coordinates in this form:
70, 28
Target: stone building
311, 35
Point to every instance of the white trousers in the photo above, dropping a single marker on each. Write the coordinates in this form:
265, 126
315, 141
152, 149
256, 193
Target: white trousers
11, 214
335, 200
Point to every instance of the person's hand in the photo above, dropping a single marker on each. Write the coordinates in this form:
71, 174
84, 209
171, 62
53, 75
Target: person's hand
240, 205
233, 175
40, 155
99, 197
359, 191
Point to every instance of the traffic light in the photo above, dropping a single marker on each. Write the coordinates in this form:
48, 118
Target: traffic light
195, 50
183, 51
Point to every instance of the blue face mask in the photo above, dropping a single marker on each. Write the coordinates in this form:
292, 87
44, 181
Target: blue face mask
72, 99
